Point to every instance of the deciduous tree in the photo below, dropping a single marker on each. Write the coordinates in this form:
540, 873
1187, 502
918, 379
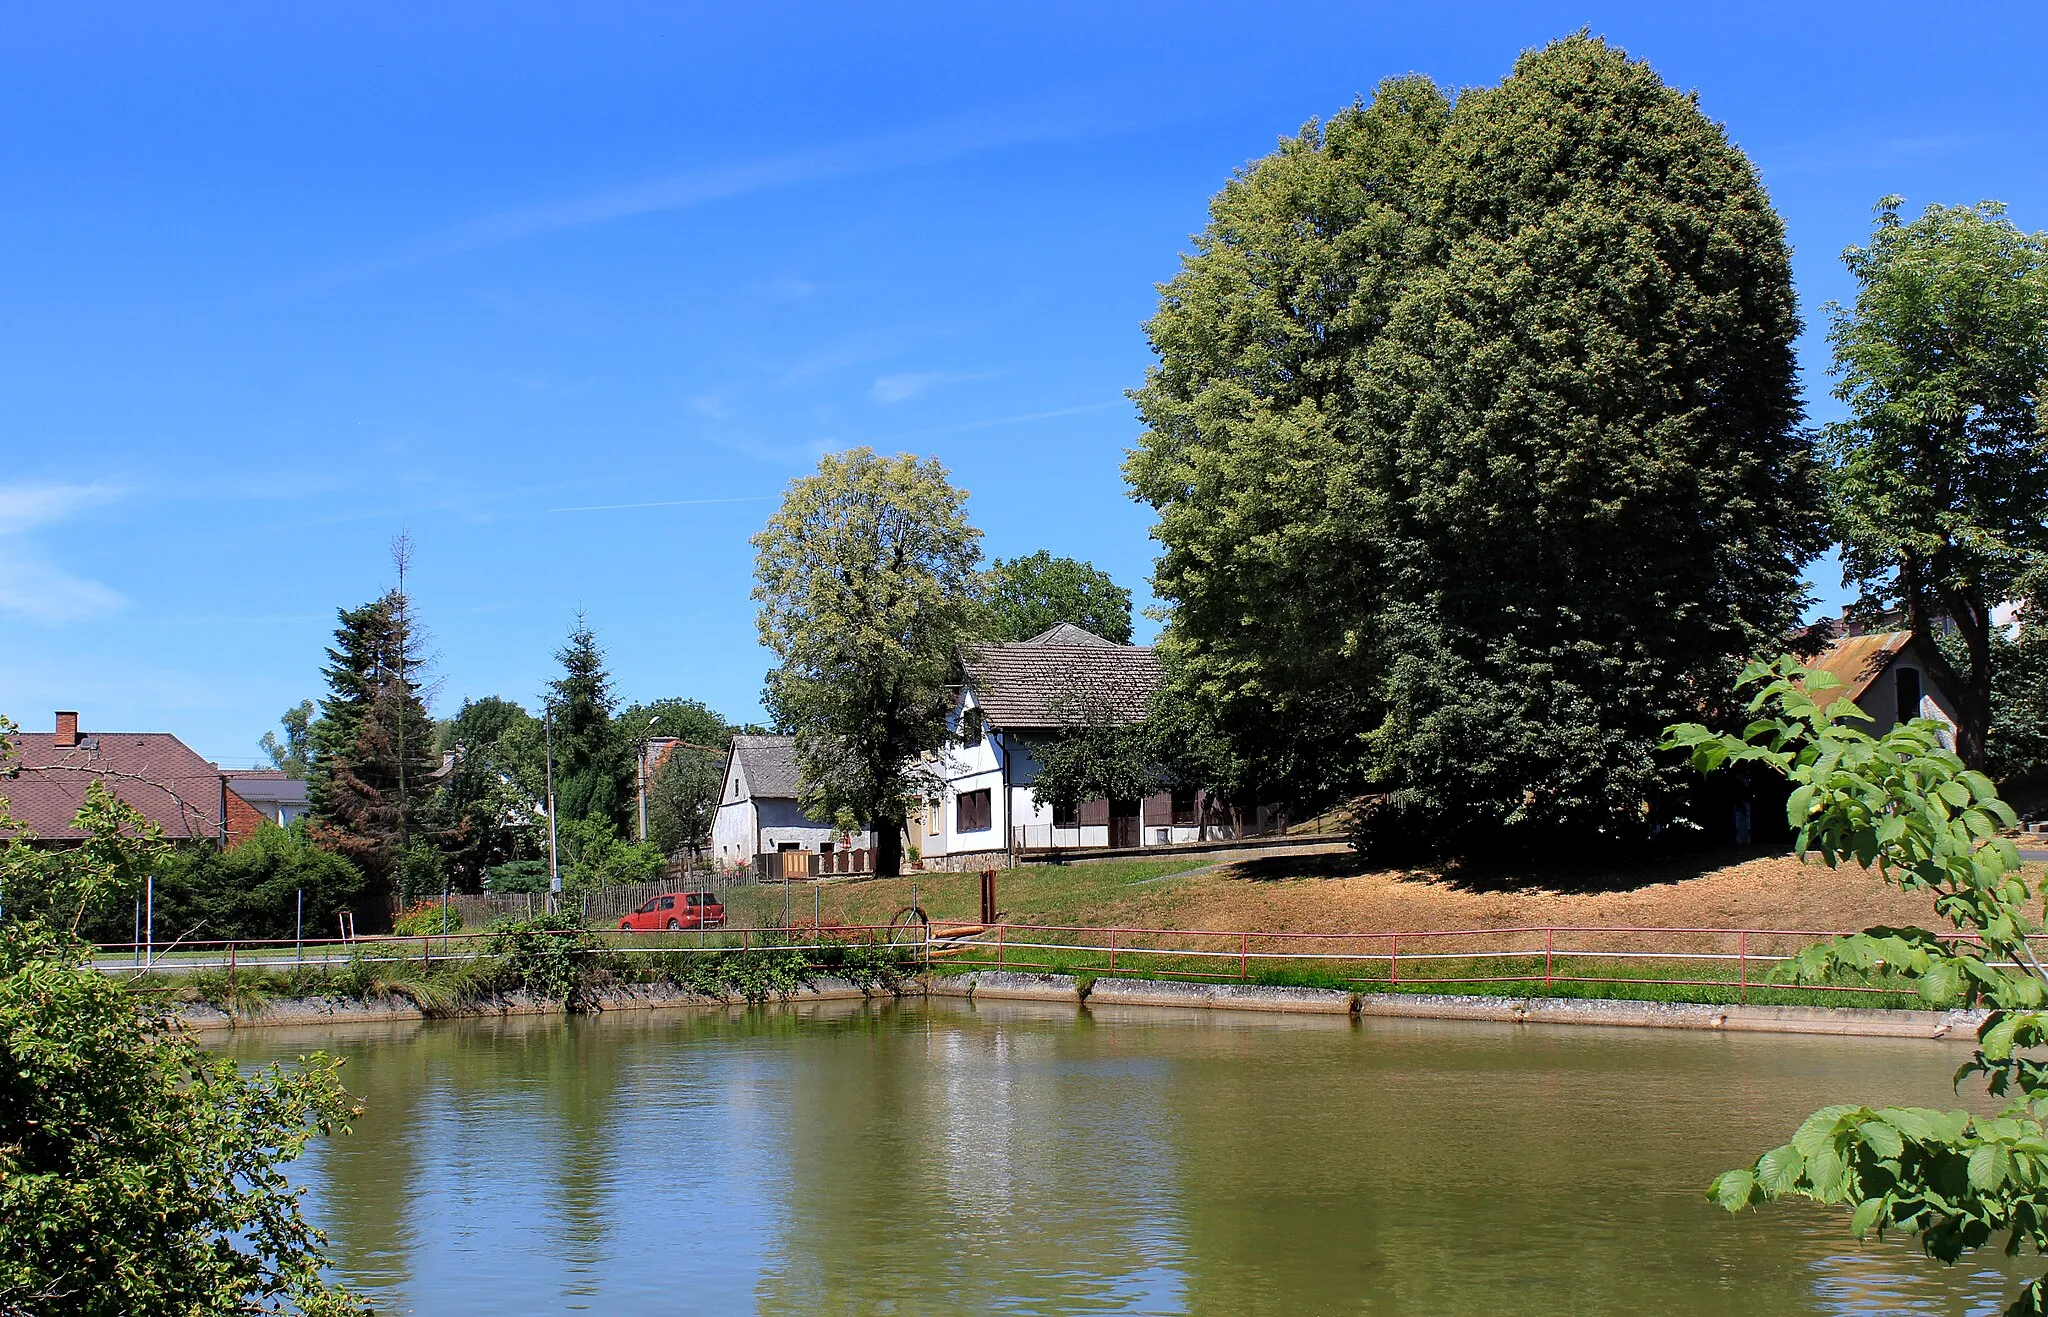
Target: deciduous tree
1940, 474
1027, 595
140, 1173
1475, 449
1916, 817
866, 580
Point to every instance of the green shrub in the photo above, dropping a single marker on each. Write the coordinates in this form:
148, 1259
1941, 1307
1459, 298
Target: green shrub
551, 956
428, 918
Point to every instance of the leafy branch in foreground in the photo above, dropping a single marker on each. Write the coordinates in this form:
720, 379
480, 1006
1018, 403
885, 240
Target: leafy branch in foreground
139, 1174
1905, 807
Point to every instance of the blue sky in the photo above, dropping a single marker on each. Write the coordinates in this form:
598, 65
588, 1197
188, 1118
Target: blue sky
571, 292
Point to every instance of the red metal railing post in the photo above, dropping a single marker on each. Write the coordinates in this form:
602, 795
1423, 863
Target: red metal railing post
231, 976
1742, 966
1549, 948
1242, 939
1394, 963
999, 946
1112, 951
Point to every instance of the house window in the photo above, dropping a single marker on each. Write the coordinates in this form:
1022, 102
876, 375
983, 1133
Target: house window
931, 816
1907, 683
971, 812
970, 728
1183, 807
1065, 814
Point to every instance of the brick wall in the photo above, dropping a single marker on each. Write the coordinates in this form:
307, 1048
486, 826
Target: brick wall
243, 818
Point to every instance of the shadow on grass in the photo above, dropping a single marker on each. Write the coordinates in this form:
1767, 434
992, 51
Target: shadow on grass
1518, 876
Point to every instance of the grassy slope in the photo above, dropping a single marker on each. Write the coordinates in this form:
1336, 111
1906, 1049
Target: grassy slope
1331, 893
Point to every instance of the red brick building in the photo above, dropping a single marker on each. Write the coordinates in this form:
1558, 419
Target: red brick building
158, 775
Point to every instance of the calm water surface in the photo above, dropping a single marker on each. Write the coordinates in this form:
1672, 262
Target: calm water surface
1005, 1158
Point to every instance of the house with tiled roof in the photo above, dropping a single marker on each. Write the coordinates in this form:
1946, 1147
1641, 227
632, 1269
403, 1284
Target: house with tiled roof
161, 777
758, 811
1892, 676
1014, 698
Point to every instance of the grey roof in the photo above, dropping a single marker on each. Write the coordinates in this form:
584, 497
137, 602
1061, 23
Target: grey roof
268, 785
1063, 678
769, 763
1066, 633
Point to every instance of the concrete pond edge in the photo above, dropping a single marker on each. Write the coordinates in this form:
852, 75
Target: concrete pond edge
1000, 985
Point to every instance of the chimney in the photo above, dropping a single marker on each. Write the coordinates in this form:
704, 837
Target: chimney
67, 730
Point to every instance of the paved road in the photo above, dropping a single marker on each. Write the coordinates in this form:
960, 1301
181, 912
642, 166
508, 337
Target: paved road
2026, 854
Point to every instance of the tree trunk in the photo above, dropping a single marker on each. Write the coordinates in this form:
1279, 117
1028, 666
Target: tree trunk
888, 848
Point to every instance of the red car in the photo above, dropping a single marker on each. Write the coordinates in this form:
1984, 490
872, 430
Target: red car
674, 910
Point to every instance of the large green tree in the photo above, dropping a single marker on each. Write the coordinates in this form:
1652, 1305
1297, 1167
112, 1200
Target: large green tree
373, 746
486, 812
1940, 473
1474, 441
866, 580
1026, 595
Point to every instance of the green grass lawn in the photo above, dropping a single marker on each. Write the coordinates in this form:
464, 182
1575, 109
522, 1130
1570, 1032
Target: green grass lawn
1033, 894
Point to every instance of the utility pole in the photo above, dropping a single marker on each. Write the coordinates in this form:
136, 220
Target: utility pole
554, 863
643, 774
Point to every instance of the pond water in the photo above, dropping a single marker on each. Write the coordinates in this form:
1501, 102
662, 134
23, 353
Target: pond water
1015, 1158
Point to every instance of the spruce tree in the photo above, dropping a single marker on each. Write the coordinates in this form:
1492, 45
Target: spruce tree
593, 762
373, 746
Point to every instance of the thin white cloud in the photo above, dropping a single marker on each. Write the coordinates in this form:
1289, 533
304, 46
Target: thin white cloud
31, 586
926, 144
901, 388
26, 506
41, 592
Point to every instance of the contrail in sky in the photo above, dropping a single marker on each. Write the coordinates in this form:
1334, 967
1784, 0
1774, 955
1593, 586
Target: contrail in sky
666, 503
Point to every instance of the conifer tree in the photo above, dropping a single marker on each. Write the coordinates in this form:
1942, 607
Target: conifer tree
593, 762
372, 746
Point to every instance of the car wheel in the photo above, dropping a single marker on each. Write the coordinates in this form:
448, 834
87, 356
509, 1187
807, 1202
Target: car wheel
625, 927
673, 926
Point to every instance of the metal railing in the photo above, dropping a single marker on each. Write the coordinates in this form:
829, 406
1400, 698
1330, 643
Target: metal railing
1546, 956
1550, 957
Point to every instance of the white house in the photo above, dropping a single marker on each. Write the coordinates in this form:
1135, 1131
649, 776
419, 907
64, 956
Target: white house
758, 811
1891, 676
1015, 697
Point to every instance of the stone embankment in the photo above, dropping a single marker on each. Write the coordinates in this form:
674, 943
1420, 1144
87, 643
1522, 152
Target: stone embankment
1847, 1022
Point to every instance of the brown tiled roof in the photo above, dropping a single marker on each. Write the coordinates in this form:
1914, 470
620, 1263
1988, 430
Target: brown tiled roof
1857, 661
162, 777
1059, 679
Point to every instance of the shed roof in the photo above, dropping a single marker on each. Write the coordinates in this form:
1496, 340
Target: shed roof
769, 763
1060, 678
1856, 661
156, 773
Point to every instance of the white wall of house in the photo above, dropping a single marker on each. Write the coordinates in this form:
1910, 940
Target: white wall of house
747, 825
1881, 698
734, 828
